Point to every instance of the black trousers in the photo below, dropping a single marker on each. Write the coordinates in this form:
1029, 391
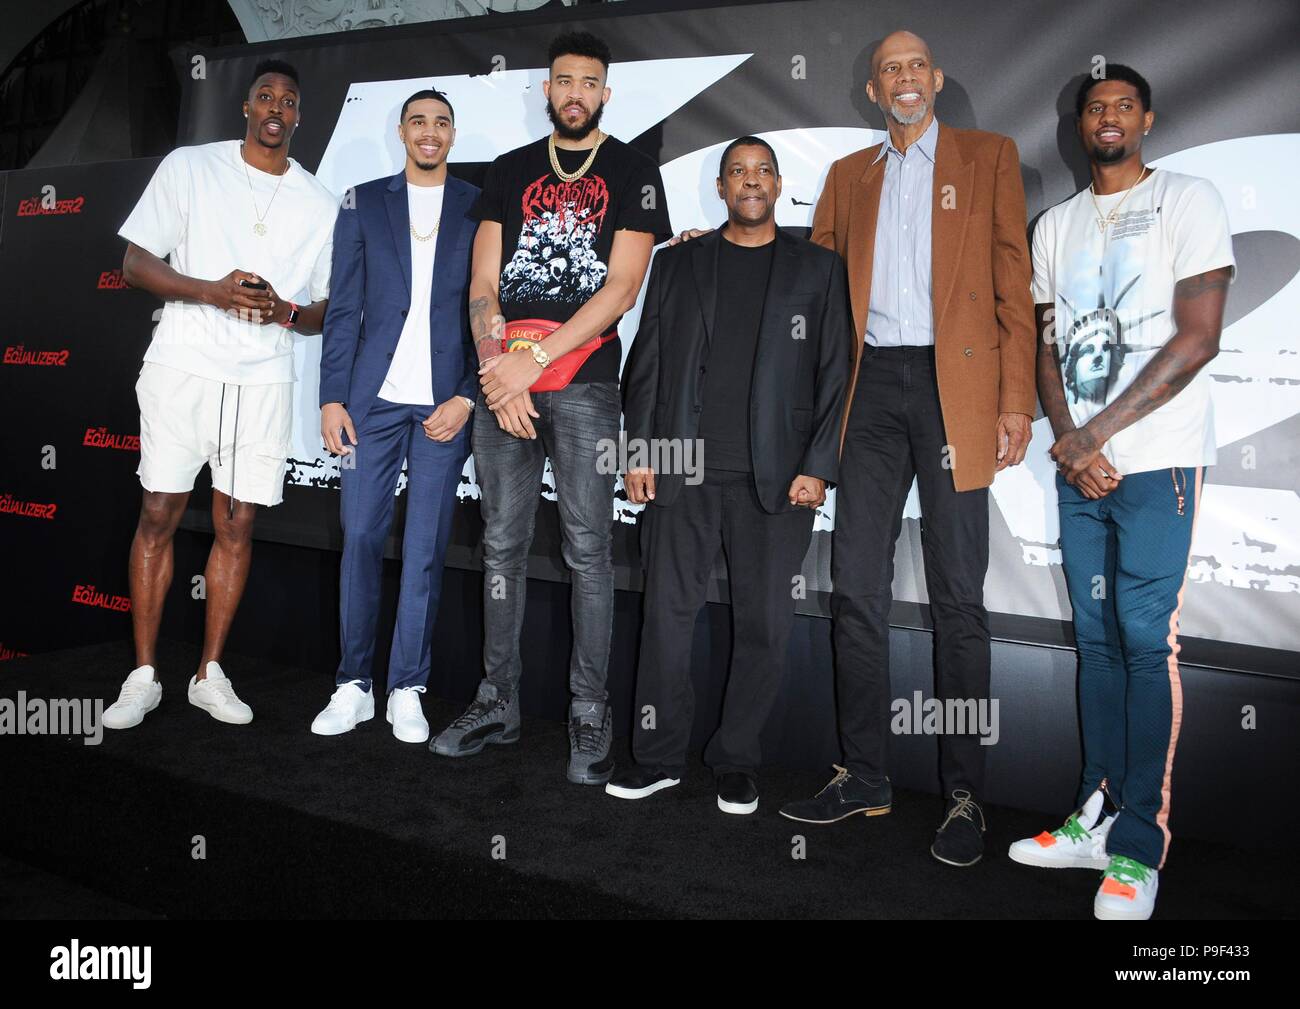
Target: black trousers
895, 432
764, 554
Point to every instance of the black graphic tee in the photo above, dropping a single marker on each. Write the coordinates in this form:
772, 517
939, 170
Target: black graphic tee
556, 236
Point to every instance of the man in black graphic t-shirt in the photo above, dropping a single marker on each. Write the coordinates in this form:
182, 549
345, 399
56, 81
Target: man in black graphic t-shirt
567, 227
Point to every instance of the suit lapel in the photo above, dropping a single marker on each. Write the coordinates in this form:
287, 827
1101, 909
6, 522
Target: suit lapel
399, 222
953, 191
704, 264
452, 219
864, 208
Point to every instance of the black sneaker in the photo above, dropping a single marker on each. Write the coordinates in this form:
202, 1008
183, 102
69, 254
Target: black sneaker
737, 792
843, 796
960, 840
591, 726
637, 781
489, 719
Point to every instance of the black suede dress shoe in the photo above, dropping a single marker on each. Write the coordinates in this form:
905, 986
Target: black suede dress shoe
845, 795
737, 792
960, 840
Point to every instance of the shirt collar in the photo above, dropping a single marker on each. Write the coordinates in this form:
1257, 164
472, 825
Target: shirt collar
926, 143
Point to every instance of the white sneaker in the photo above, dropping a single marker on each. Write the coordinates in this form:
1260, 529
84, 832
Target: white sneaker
1127, 891
140, 695
1079, 844
406, 716
217, 697
348, 705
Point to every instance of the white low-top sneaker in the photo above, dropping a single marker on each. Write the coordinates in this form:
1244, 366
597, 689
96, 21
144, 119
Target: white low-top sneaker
217, 697
1078, 844
1127, 891
348, 705
406, 716
140, 694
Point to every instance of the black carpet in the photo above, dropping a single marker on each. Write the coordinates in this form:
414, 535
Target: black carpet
360, 825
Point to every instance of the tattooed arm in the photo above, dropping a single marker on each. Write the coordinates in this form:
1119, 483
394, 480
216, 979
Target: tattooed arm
486, 324
1198, 321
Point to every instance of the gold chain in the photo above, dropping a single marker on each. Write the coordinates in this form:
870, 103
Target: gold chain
1113, 216
424, 238
572, 176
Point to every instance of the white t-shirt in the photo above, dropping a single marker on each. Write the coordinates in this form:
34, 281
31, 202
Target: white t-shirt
198, 211
1114, 293
410, 376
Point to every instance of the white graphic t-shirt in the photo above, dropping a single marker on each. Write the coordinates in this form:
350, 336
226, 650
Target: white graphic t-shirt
410, 376
1113, 292
199, 212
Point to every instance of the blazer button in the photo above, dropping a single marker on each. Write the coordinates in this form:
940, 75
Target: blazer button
703, 369
968, 352
403, 313
972, 296
390, 356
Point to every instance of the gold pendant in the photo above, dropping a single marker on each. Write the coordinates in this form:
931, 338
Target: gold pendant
259, 229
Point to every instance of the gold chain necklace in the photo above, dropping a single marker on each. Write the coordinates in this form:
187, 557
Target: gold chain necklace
1113, 216
560, 173
424, 238
259, 229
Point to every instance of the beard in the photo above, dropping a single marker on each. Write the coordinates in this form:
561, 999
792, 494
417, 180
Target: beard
899, 115
573, 132
1109, 155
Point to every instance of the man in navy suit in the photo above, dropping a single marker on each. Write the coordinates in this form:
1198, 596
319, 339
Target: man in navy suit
398, 380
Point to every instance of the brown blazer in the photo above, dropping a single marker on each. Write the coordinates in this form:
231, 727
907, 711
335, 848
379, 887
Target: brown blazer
983, 311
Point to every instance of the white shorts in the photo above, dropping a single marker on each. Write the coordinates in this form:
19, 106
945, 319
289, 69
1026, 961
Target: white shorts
242, 432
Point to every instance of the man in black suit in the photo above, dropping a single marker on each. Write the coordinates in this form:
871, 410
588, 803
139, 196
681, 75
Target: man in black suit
741, 361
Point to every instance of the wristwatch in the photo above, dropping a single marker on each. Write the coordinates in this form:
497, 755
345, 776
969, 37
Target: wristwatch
468, 402
293, 317
540, 356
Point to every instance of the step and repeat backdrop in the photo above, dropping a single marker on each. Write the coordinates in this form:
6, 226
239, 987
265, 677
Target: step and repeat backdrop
684, 84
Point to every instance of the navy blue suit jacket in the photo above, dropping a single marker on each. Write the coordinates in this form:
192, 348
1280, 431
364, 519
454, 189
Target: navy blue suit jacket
370, 292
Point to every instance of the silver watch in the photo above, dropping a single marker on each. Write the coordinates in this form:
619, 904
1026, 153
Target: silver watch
468, 402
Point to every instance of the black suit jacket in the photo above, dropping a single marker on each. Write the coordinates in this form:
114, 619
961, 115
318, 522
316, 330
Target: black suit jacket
801, 364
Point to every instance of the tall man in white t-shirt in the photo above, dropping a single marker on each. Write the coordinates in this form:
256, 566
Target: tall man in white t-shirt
231, 235
1130, 280
398, 377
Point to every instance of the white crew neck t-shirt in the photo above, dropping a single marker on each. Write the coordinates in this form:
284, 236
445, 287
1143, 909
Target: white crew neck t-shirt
1113, 293
198, 211
410, 375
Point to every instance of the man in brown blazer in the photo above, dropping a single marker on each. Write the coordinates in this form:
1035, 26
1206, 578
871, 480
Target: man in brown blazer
931, 224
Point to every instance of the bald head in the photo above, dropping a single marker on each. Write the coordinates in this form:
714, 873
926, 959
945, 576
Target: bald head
904, 79
899, 45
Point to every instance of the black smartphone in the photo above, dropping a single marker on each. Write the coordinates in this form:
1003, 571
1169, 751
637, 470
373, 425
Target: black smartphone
249, 283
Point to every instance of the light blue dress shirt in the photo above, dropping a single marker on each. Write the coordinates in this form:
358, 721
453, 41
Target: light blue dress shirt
901, 311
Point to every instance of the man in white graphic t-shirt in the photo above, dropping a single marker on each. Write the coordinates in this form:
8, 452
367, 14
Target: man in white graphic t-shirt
398, 376
1130, 279
232, 236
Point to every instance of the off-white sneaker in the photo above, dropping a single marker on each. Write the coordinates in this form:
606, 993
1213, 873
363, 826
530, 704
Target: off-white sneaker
217, 697
348, 706
406, 716
1127, 891
140, 694
1079, 844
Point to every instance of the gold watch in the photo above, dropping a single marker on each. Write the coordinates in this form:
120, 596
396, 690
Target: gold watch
540, 356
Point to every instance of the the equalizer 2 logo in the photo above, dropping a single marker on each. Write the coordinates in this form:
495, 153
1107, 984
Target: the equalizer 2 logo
48, 202
75, 962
